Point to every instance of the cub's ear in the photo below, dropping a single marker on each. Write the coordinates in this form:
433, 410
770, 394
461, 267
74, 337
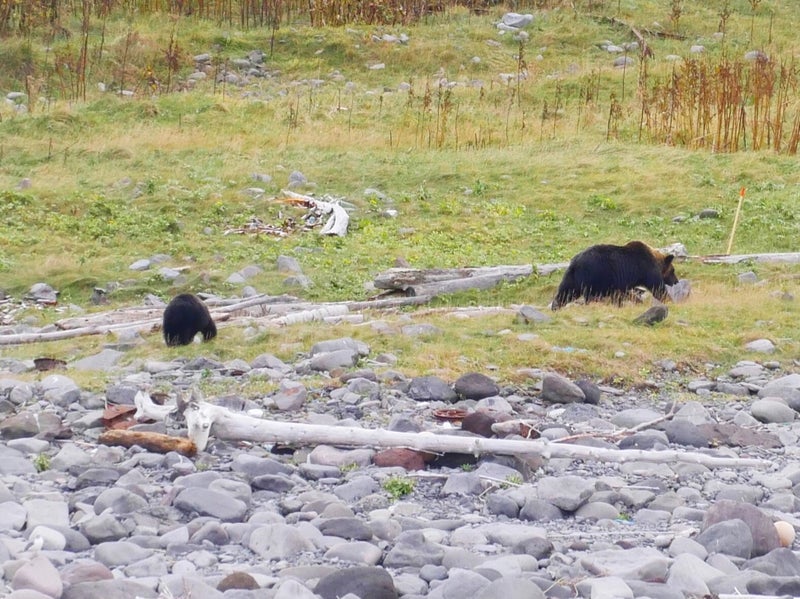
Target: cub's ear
668, 259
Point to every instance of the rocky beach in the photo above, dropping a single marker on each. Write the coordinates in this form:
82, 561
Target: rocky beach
713, 515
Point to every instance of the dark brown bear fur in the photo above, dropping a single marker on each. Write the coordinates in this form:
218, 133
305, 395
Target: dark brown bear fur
614, 271
185, 316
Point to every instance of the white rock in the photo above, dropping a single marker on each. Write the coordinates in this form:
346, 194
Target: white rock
764, 346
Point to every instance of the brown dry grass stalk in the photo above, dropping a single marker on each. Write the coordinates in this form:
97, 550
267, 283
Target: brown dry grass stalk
726, 106
24, 16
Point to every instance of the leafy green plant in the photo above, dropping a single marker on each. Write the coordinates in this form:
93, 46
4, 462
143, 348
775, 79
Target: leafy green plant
399, 486
41, 462
480, 188
602, 202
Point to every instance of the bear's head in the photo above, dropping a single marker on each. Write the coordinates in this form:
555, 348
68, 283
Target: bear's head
667, 269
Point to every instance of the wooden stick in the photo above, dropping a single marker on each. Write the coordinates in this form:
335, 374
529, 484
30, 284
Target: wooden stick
735, 220
626, 432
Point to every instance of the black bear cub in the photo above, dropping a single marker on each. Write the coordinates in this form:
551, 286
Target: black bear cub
185, 316
614, 271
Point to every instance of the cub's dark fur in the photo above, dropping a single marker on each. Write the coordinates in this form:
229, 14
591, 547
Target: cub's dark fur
185, 316
613, 271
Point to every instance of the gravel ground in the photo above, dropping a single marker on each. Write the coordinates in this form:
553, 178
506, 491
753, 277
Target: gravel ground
83, 519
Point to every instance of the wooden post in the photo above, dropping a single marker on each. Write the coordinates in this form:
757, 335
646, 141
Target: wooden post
735, 220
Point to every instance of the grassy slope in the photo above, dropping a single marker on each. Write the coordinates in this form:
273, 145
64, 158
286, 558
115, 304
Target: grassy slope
478, 178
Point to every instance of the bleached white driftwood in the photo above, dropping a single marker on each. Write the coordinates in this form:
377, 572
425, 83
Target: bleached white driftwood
387, 303
202, 418
270, 310
441, 288
401, 278
147, 409
439, 281
780, 257
22, 338
235, 304
337, 223
312, 315
132, 315
546, 269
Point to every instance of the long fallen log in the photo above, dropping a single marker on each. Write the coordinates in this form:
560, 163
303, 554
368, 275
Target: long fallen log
130, 316
780, 258
388, 303
235, 305
22, 338
269, 309
241, 427
314, 315
545, 269
445, 287
438, 281
401, 278
203, 418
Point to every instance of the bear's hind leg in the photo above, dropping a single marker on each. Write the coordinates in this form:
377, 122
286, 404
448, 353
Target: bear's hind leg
210, 331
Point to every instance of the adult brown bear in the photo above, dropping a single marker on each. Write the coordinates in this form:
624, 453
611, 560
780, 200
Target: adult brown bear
185, 316
614, 271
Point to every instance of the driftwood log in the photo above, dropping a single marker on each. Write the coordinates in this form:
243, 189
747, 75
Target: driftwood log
440, 281
203, 418
155, 442
396, 278
779, 258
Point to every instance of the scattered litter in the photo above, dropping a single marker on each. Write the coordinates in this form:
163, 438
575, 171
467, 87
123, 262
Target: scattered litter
316, 210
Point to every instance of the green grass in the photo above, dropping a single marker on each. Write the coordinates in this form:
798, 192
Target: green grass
504, 173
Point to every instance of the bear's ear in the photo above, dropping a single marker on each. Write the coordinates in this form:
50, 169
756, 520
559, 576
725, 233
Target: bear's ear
668, 259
